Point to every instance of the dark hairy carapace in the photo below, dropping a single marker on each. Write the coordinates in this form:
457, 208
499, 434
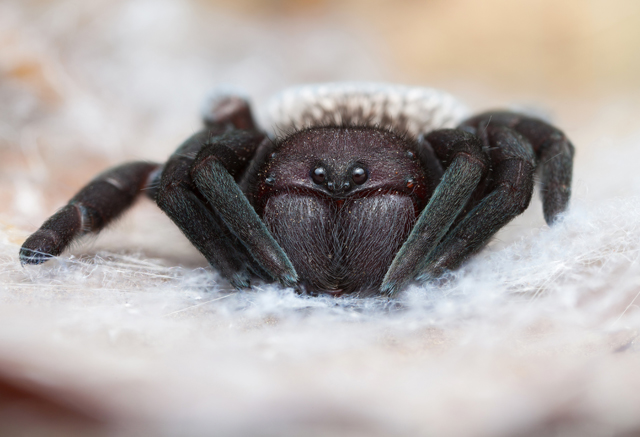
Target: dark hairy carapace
341, 201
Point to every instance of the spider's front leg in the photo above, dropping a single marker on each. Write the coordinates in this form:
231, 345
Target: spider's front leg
506, 196
515, 144
199, 191
465, 163
89, 211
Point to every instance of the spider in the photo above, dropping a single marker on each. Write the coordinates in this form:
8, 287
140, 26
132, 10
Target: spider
365, 189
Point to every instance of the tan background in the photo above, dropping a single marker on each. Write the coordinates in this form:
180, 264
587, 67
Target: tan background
570, 47
71, 73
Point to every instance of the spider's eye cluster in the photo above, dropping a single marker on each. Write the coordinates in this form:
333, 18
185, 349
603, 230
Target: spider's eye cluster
319, 175
359, 175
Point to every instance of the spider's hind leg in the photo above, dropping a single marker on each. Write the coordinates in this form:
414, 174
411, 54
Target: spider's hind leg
553, 151
93, 208
221, 108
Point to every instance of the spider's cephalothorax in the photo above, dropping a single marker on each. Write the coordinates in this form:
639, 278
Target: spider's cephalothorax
370, 188
341, 201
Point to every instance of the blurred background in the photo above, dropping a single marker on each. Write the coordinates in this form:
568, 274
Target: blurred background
88, 84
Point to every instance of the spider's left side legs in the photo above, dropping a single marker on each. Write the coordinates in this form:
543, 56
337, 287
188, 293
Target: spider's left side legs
553, 150
509, 195
466, 164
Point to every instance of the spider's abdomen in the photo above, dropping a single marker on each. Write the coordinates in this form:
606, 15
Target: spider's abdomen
340, 246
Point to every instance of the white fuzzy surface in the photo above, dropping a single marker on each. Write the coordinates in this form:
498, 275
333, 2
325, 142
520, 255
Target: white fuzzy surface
538, 335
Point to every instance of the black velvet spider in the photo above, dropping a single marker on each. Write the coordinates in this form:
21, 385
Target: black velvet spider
365, 191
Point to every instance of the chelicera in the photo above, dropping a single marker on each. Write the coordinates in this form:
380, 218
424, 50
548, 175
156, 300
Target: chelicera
366, 188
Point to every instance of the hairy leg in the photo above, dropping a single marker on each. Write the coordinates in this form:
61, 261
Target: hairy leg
554, 155
213, 172
231, 142
513, 166
93, 208
179, 198
465, 164
228, 109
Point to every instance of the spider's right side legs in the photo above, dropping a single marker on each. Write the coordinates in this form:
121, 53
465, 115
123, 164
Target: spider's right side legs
214, 173
181, 200
94, 207
199, 191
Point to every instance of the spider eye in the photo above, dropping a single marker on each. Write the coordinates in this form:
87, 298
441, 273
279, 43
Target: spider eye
318, 174
359, 175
